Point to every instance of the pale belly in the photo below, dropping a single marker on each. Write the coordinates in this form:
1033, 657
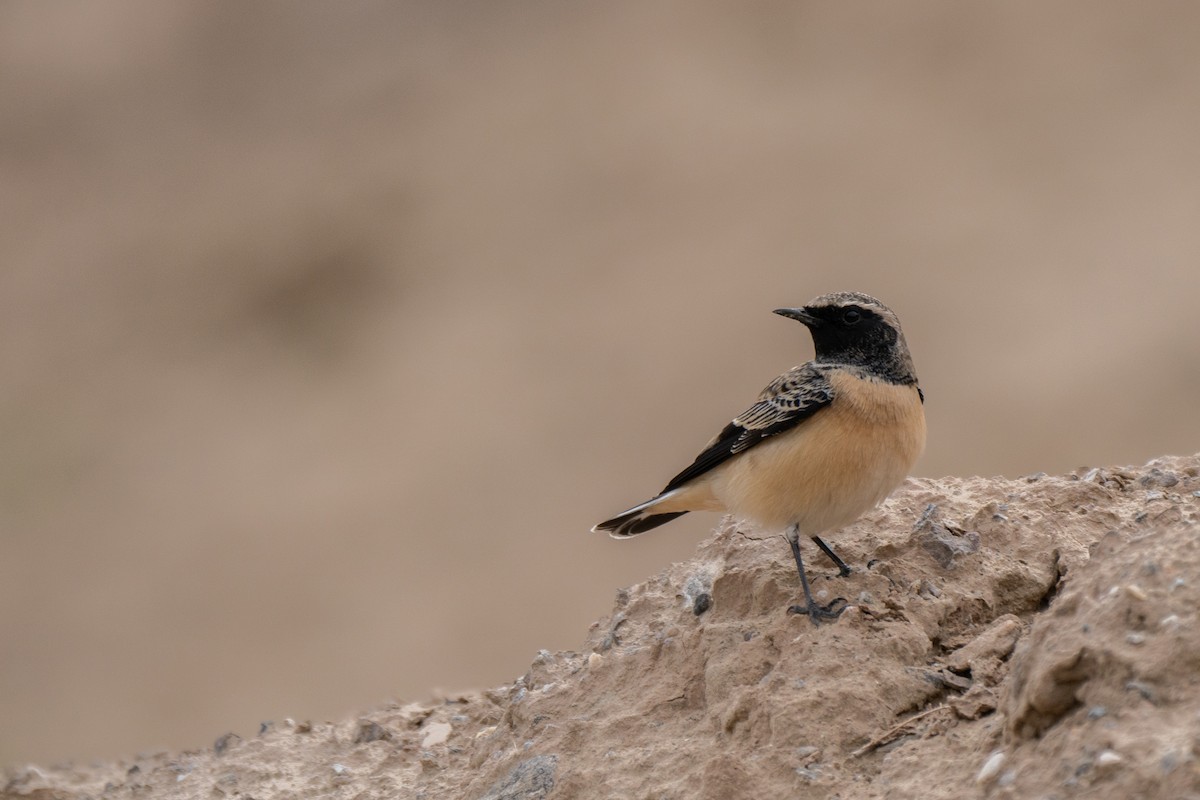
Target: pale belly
831, 468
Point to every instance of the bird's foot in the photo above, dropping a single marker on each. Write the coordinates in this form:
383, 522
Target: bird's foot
818, 614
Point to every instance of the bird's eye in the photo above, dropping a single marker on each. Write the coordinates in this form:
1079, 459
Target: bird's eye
851, 316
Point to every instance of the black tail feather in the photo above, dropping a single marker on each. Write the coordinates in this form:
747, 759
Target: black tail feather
635, 522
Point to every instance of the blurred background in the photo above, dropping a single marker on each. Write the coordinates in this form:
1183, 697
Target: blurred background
327, 330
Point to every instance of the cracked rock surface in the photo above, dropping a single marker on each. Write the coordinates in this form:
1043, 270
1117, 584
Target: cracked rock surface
1034, 637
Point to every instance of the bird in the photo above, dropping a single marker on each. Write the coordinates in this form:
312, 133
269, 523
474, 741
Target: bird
823, 443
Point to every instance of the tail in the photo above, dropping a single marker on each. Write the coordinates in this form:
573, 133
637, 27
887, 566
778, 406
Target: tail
638, 519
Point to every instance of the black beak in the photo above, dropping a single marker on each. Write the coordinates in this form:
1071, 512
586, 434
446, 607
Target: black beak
800, 315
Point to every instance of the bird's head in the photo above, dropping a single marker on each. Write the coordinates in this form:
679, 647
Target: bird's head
856, 329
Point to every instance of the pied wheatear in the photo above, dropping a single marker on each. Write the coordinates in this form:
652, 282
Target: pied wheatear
824, 442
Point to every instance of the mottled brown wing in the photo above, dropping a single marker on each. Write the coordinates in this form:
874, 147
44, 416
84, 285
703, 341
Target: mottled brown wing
790, 399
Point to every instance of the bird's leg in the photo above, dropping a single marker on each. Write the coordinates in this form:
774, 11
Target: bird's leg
813, 611
843, 567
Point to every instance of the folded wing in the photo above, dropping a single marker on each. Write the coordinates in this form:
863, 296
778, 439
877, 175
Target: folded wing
790, 399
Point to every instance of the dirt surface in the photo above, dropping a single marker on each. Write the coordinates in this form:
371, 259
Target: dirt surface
1019, 638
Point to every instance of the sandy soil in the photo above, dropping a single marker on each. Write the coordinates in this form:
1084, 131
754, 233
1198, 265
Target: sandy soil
1006, 638
325, 333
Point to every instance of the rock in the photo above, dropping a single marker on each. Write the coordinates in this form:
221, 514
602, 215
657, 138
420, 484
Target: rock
529, 780
223, 743
369, 731
991, 767
436, 733
994, 643
1057, 641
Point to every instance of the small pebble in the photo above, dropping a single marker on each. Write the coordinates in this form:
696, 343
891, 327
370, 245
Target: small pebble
1108, 758
806, 751
1141, 688
1196, 493
1151, 496
370, 732
338, 769
991, 767
1178, 583
222, 743
1135, 591
1096, 712
595, 659
1135, 638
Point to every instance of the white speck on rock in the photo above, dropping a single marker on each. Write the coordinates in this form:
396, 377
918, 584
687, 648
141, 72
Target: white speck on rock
1108, 758
991, 767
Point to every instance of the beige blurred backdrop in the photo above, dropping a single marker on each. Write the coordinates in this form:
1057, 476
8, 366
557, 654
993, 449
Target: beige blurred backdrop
327, 330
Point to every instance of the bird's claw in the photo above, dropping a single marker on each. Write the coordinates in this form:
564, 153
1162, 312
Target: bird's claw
818, 614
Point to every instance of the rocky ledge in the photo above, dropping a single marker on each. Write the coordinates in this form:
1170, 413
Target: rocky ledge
1026, 638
